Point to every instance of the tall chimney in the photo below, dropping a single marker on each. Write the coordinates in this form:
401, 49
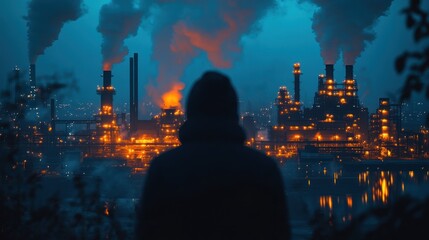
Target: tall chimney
136, 88
349, 72
107, 93
132, 94
53, 117
107, 78
297, 74
320, 82
18, 88
33, 75
53, 114
329, 71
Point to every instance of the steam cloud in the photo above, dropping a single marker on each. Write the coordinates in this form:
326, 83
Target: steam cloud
184, 29
346, 26
119, 20
45, 20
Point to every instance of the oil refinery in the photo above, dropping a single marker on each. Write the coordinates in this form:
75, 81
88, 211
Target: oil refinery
337, 127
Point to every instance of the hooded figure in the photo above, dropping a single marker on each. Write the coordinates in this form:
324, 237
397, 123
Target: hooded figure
212, 186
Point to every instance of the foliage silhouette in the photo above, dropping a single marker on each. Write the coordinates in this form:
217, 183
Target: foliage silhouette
405, 218
415, 64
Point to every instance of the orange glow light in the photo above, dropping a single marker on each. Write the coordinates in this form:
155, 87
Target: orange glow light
107, 66
172, 98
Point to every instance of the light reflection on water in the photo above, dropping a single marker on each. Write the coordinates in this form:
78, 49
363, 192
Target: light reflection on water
345, 190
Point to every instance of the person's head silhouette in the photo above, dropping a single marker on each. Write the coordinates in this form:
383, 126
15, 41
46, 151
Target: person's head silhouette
212, 96
212, 111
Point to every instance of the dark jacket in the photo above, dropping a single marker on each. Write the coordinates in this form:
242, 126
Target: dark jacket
212, 186
213, 189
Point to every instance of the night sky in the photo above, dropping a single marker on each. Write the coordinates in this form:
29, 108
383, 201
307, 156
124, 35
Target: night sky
281, 37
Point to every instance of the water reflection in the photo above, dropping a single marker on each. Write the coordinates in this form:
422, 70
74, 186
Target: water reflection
349, 201
346, 189
326, 201
380, 189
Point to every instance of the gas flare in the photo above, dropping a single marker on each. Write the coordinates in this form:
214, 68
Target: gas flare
171, 99
107, 66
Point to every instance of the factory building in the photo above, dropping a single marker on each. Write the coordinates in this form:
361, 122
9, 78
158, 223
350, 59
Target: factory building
336, 117
336, 124
385, 129
169, 122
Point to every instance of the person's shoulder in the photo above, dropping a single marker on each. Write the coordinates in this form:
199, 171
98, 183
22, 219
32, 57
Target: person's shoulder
256, 153
260, 157
167, 157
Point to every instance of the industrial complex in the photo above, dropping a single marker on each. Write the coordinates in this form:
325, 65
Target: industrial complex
337, 127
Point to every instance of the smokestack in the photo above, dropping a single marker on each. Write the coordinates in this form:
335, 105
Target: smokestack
17, 84
297, 74
53, 114
132, 94
107, 78
107, 92
349, 72
136, 88
320, 82
33, 75
329, 71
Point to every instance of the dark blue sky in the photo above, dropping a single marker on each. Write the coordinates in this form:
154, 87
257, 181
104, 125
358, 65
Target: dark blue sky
265, 62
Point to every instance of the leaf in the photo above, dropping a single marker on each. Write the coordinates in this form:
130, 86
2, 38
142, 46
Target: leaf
427, 120
418, 86
406, 92
410, 21
415, 4
400, 62
427, 91
415, 82
420, 32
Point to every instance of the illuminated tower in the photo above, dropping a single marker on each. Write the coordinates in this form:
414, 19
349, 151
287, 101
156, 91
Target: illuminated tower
329, 69
33, 75
383, 113
106, 92
169, 122
297, 74
320, 84
284, 104
33, 88
107, 127
350, 87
